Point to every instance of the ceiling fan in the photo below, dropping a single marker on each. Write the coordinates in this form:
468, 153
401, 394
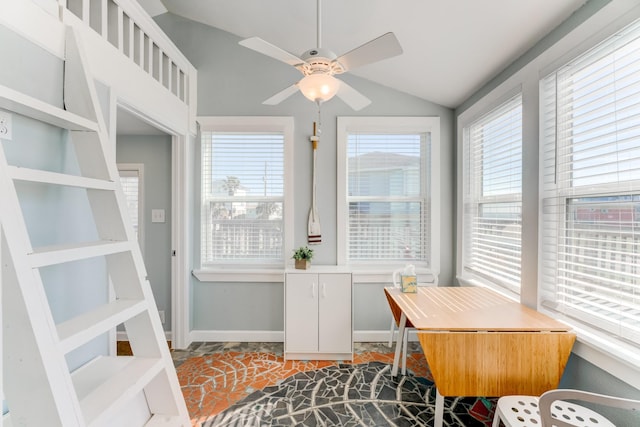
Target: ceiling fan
319, 66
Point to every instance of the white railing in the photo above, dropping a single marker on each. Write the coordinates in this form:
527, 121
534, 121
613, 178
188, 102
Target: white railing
125, 25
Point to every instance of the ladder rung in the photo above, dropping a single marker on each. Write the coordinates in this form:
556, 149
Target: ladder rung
53, 255
81, 329
35, 175
26, 105
159, 420
106, 384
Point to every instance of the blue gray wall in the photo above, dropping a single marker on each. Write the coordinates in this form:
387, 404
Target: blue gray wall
154, 152
233, 81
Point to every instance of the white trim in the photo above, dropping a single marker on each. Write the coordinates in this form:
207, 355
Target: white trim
236, 336
181, 229
122, 336
386, 125
199, 335
382, 336
284, 124
240, 274
360, 275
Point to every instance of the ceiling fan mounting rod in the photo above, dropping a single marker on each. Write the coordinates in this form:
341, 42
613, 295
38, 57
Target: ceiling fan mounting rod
319, 24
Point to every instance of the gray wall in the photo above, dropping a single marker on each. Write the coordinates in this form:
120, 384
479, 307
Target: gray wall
233, 81
154, 152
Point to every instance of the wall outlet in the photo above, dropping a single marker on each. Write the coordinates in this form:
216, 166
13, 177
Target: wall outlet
161, 313
5, 125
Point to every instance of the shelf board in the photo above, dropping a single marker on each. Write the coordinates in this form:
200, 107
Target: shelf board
46, 177
82, 329
26, 105
107, 384
52, 255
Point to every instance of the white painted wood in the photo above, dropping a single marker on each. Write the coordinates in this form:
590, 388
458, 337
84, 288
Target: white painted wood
26, 105
106, 394
81, 329
35, 175
318, 315
301, 313
50, 255
108, 388
335, 332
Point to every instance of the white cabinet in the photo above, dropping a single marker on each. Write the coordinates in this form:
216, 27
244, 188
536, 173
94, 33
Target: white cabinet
318, 316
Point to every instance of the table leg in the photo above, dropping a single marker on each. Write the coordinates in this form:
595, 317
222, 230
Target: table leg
437, 421
396, 358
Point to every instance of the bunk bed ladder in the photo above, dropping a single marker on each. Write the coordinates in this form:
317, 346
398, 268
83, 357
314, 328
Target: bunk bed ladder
39, 387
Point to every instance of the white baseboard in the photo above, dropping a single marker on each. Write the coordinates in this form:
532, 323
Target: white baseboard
236, 336
278, 336
122, 335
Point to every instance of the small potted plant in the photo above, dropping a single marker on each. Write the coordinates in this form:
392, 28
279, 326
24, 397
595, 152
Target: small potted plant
303, 256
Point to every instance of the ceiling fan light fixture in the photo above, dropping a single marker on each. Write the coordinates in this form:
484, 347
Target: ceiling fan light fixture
319, 87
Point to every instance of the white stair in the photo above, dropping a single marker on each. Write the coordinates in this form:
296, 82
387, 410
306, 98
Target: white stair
40, 389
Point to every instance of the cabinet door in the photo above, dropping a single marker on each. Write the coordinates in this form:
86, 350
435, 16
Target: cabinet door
335, 333
301, 312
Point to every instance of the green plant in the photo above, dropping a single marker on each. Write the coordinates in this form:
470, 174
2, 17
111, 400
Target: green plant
303, 252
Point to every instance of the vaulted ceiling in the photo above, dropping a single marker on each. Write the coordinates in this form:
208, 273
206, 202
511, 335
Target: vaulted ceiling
451, 47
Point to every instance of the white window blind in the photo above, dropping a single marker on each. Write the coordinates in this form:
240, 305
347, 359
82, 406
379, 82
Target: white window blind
388, 196
492, 175
242, 197
591, 188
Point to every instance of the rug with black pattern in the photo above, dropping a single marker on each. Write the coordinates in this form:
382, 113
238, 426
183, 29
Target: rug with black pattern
351, 395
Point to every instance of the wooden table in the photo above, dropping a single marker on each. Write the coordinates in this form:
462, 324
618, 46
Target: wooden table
480, 343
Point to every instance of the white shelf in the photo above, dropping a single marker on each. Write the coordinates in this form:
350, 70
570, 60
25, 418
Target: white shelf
35, 175
82, 329
52, 255
32, 107
106, 384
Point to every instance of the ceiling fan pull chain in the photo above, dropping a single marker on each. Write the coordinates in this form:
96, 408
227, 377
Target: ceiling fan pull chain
319, 127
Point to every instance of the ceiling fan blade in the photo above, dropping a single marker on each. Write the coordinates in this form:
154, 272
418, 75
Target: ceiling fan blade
352, 97
385, 46
266, 48
282, 95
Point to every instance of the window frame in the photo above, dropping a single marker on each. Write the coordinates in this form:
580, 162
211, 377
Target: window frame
249, 271
557, 194
346, 125
467, 182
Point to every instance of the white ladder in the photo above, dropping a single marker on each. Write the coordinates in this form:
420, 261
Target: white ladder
140, 390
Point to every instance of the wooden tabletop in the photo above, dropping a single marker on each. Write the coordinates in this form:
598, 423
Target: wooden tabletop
470, 308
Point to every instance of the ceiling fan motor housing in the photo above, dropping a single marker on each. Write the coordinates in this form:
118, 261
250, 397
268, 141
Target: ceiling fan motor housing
320, 60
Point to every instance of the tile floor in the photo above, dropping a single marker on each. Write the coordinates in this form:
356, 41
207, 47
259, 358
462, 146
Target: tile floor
222, 382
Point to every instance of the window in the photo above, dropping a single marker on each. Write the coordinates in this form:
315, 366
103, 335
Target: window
591, 188
387, 170
131, 181
244, 180
492, 180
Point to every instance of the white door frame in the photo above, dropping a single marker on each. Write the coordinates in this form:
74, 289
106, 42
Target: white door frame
180, 222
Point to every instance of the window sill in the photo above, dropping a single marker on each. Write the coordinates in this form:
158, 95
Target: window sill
361, 274
240, 274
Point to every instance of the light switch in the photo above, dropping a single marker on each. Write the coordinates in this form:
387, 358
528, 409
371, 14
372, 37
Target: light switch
157, 215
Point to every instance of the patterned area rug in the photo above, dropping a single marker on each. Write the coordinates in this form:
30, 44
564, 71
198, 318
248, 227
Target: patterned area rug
362, 394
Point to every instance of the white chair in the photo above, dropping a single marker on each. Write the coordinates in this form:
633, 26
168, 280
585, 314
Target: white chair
553, 409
